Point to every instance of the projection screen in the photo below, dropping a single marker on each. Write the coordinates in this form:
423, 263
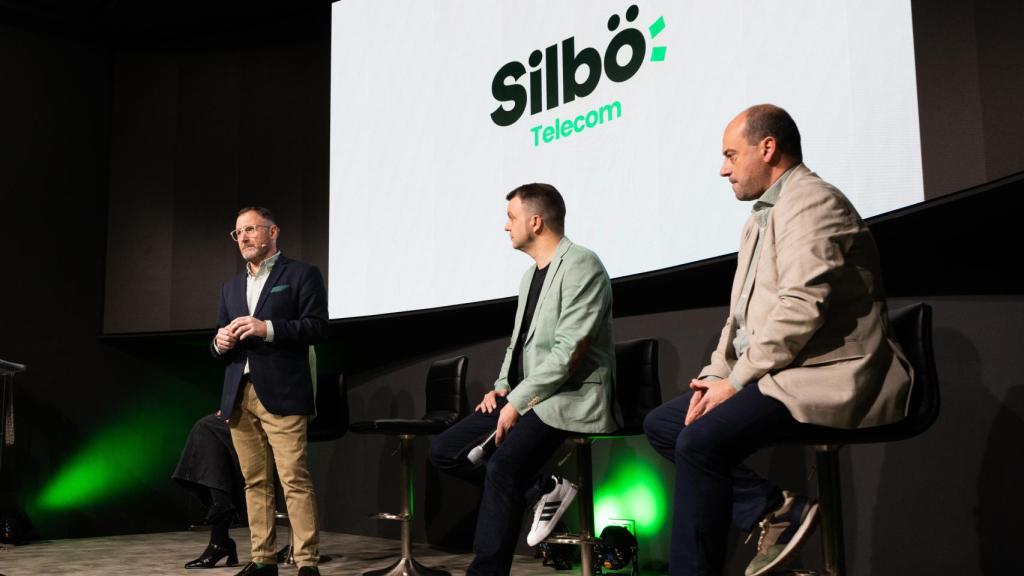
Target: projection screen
438, 109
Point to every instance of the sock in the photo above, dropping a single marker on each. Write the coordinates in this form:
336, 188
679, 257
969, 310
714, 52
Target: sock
546, 484
219, 532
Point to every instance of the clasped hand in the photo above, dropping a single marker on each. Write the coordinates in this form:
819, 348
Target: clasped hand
239, 329
707, 394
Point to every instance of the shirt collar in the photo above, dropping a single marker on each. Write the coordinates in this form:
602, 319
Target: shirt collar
265, 267
771, 195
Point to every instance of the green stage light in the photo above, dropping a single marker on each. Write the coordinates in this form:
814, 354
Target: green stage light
135, 452
634, 491
115, 459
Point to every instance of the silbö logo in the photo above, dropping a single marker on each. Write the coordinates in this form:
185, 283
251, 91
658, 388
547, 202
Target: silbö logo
546, 77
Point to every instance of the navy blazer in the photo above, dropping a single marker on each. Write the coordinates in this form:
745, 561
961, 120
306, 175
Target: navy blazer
294, 299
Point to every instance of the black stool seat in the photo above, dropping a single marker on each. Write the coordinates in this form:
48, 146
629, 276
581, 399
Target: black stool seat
913, 328
637, 388
446, 399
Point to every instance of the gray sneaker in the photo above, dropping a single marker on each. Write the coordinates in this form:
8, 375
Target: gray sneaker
783, 532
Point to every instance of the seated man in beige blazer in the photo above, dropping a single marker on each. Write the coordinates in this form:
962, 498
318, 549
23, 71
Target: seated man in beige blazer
557, 378
806, 345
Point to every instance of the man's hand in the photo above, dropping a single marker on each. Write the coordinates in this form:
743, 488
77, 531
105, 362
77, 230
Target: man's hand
225, 339
490, 401
246, 326
692, 412
507, 418
707, 394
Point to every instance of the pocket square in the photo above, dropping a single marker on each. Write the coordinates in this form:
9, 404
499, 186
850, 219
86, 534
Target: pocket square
280, 288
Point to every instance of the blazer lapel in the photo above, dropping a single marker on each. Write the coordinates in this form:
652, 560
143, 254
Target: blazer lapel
556, 262
275, 274
746, 253
239, 290
749, 242
524, 289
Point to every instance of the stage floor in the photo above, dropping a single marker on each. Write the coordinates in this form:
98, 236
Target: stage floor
166, 553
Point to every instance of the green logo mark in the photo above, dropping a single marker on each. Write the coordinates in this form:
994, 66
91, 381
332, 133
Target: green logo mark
657, 52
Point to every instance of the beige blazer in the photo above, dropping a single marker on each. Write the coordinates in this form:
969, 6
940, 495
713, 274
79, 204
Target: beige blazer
818, 329
569, 354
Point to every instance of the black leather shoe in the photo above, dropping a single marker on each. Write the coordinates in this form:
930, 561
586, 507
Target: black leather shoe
309, 571
252, 570
213, 554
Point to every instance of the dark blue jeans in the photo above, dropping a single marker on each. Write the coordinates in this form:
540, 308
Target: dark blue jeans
712, 484
509, 476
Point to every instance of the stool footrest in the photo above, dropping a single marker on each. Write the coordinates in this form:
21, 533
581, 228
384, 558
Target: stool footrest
390, 516
567, 538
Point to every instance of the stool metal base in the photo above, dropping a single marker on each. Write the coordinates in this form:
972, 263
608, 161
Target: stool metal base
830, 506
285, 556
407, 567
390, 516
585, 504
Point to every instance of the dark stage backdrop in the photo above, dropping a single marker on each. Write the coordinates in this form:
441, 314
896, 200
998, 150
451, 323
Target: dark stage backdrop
200, 129
122, 166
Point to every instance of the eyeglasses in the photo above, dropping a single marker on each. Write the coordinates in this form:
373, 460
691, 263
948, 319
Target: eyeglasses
246, 231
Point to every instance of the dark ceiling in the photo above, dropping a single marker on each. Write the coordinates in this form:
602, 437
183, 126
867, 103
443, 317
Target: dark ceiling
117, 23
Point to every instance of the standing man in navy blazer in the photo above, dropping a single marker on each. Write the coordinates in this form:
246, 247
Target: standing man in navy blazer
269, 318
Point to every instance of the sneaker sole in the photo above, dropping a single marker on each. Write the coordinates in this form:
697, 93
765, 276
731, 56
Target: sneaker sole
794, 543
533, 540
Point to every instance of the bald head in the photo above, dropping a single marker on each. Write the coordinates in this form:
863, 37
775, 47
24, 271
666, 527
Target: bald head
758, 146
770, 121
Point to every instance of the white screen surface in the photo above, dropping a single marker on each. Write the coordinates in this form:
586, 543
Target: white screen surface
419, 169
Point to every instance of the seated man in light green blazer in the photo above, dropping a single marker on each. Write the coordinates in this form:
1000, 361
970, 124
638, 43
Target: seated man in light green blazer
557, 378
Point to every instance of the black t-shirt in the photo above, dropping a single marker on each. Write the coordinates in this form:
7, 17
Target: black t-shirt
515, 369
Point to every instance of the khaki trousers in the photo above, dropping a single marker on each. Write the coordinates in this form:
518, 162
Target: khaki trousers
261, 439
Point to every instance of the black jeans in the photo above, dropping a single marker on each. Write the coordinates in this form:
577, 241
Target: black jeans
509, 476
712, 484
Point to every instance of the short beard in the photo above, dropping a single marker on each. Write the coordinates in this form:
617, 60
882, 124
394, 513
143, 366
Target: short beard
258, 256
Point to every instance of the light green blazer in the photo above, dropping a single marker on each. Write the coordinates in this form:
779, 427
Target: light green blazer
569, 354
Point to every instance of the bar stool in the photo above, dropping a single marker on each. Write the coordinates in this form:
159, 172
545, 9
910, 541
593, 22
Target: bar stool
912, 326
446, 399
638, 391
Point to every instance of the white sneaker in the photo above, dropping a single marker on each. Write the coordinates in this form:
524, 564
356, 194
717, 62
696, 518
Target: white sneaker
550, 509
